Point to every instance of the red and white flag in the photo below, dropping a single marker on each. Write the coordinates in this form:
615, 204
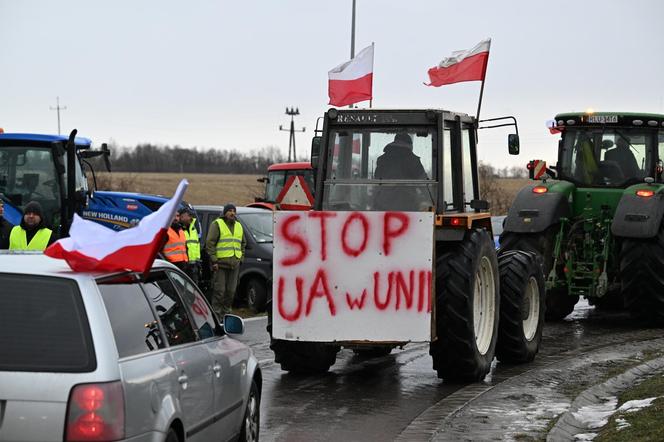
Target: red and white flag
352, 81
93, 247
469, 65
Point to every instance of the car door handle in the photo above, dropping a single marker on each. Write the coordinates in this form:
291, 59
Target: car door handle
182, 379
217, 370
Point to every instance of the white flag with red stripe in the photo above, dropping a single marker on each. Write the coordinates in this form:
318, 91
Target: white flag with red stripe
93, 247
352, 81
468, 65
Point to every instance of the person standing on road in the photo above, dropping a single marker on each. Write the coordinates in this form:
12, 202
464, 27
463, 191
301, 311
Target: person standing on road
32, 233
225, 244
175, 249
193, 243
5, 228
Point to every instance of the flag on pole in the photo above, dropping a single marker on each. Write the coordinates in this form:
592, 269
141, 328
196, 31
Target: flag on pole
352, 81
468, 65
93, 247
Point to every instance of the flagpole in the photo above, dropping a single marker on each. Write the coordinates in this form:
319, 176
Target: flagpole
352, 39
372, 68
479, 105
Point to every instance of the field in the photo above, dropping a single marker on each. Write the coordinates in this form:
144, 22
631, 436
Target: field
219, 189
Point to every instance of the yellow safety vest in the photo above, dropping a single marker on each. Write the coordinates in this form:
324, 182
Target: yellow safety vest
229, 244
193, 244
18, 239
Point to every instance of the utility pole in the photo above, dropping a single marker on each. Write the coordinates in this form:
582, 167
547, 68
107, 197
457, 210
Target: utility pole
291, 142
58, 108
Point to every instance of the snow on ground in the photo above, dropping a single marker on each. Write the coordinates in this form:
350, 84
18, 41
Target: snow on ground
597, 415
636, 405
621, 424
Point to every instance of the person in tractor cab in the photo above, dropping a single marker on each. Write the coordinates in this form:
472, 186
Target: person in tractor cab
622, 154
398, 162
32, 233
586, 165
175, 249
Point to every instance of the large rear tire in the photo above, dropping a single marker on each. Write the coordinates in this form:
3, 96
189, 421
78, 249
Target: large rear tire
522, 306
467, 308
642, 277
558, 302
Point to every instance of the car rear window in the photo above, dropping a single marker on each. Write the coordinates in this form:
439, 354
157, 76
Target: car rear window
43, 325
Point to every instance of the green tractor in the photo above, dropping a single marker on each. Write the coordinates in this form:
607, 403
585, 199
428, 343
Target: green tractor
596, 217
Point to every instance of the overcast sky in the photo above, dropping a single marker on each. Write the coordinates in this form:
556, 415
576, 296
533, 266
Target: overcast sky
220, 73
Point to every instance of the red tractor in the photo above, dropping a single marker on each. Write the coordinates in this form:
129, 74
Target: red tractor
288, 186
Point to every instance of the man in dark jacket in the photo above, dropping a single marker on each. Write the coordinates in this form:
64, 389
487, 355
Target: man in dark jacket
5, 228
225, 245
398, 162
622, 154
32, 233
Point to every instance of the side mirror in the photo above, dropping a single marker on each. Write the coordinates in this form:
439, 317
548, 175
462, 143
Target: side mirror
233, 324
316, 143
262, 179
513, 144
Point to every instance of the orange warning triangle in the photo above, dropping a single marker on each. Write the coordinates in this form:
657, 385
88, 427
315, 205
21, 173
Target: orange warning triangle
295, 195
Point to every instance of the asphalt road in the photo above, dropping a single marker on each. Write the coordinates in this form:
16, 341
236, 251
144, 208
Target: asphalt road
388, 397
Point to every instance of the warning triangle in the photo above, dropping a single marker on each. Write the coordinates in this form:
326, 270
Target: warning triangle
295, 195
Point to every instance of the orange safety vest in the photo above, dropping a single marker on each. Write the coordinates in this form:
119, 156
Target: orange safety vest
175, 249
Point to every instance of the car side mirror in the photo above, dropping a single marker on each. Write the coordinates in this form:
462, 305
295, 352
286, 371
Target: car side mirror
513, 144
233, 324
316, 143
262, 179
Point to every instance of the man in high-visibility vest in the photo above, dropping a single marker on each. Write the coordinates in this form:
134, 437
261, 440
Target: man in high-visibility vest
225, 244
175, 249
193, 243
32, 233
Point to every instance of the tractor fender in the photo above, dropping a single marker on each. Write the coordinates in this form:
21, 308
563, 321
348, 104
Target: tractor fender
535, 212
638, 217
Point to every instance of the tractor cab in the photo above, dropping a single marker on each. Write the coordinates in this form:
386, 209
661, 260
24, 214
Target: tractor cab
34, 168
609, 150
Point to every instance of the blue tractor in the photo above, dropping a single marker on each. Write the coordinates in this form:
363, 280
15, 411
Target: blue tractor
35, 167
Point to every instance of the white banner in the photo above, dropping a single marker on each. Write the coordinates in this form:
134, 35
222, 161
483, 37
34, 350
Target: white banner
352, 276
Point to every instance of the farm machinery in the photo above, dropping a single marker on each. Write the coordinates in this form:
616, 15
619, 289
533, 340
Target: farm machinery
392, 254
596, 216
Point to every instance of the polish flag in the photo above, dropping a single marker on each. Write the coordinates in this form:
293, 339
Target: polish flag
351, 82
469, 65
93, 247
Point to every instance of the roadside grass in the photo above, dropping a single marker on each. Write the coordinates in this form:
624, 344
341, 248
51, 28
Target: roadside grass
645, 424
245, 312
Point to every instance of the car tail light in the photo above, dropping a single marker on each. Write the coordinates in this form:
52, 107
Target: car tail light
95, 412
540, 189
645, 193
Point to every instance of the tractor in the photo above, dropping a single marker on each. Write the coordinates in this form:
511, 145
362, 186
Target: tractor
596, 216
481, 304
34, 167
280, 175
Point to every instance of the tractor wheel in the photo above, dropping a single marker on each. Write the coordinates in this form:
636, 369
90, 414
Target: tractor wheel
304, 357
522, 306
558, 303
467, 308
642, 277
300, 357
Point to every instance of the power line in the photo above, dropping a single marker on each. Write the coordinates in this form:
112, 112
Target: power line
58, 108
291, 141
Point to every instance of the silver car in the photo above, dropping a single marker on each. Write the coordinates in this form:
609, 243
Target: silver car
122, 356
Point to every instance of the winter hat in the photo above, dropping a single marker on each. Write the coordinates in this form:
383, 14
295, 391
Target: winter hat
34, 207
227, 207
401, 140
